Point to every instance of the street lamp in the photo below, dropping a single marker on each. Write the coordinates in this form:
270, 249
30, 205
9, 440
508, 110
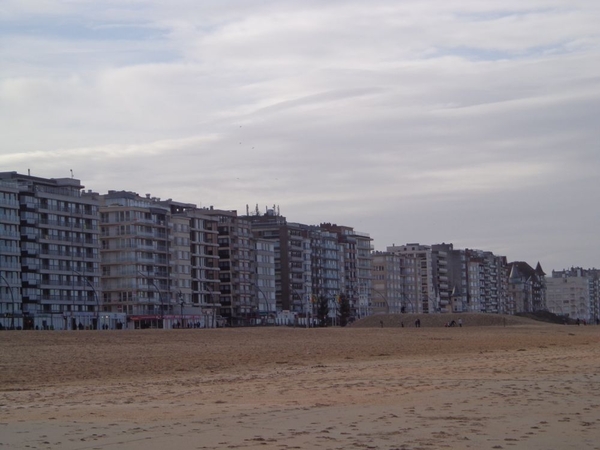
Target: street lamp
181, 303
12, 320
258, 300
160, 299
301, 304
406, 299
214, 305
387, 305
95, 294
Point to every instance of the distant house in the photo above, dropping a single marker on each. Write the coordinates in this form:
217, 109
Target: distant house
527, 287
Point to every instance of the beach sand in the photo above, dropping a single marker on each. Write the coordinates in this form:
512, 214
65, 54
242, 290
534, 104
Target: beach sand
527, 386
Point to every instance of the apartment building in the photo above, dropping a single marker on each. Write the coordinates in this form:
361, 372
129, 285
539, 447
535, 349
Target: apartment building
58, 235
11, 316
574, 293
487, 283
264, 279
196, 265
135, 233
455, 278
417, 277
325, 266
157, 258
387, 288
238, 297
441, 283
293, 272
356, 261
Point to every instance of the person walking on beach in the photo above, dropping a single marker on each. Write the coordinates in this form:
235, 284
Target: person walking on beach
418, 323
460, 323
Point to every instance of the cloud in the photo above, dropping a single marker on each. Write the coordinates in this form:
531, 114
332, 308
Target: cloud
457, 120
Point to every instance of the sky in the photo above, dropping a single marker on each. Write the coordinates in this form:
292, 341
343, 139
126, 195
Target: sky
430, 121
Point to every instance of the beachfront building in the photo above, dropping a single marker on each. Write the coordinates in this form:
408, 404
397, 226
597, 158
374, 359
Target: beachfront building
158, 262
315, 263
264, 280
195, 266
573, 293
356, 262
239, 301
387, 288
136, 258
487, 283
456, 291
468, 280
59, 253
11, 316
325, 257
442, 279
526, 287
417, 277
293, 277
439, 273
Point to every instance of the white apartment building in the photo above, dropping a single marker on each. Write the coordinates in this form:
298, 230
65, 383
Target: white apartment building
574, 293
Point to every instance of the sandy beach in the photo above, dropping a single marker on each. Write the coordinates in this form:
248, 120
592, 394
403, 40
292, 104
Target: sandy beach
523, 386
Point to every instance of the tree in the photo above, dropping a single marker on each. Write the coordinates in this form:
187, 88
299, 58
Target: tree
344, 309
322, 310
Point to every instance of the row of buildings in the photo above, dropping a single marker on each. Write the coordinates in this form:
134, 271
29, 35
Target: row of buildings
73, 259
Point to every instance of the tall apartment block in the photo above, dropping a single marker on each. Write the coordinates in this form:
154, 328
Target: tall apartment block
159, 261
325, 266
487, 283
60, 258
11, 316
387, 289
195, 269
417, 277
317, 261
238, 291
264, 279
456, 276
293, 273
574, 293
356, 262
441, 284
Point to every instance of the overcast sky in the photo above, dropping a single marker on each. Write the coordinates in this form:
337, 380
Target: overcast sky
472, 122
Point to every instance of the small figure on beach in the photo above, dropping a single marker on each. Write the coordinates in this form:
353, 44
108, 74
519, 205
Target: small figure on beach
381, 323
418, 323
460, 323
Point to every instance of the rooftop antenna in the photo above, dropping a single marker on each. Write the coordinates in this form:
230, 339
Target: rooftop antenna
71, 172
